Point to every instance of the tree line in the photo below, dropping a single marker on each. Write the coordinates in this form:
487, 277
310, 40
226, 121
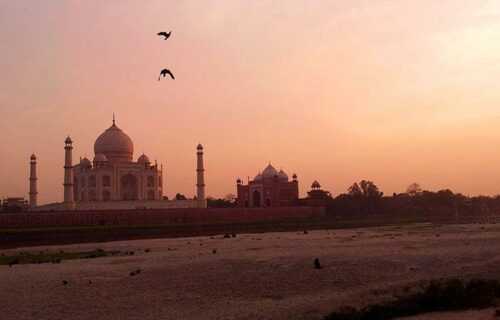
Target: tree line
365, 198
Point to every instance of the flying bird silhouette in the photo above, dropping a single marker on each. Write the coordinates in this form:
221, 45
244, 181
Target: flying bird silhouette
164, 34
164, 73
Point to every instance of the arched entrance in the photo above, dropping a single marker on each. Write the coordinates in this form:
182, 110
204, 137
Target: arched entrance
256, 198
128, 187
151, 195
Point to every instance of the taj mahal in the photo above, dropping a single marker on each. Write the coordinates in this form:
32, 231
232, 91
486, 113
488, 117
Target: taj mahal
113, 180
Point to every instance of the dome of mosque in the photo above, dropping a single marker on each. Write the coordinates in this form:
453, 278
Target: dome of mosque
282, 175
269, 172
114, 144
258, 177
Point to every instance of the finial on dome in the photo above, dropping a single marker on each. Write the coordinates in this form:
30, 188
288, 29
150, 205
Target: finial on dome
113, 118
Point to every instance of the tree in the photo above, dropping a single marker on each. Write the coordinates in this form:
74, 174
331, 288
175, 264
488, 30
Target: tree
370, 189
180, 196
230, 198
414, 189
355, 190
365, 189
227, 202
362, 197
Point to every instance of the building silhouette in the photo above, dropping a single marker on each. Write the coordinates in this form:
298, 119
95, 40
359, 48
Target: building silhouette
271, 188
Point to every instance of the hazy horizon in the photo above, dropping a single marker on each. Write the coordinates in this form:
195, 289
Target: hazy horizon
336, 91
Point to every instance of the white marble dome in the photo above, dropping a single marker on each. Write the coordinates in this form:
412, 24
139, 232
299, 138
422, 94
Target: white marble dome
143, 159
100, 158
85, 162
115, 144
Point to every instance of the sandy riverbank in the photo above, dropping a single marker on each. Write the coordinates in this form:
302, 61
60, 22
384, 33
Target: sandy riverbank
252, 276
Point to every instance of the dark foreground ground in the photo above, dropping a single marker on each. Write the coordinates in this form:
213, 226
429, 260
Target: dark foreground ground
14, 237
251, 276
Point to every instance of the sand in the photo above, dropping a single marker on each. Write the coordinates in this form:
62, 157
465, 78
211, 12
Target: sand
252, 276
486, 314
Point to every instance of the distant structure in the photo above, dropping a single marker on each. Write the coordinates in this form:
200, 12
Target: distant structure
200, 176
113, 180
268, 189
317, 197
33, 194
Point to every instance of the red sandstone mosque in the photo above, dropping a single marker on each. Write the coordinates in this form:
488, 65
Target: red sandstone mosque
271, 188
113, 180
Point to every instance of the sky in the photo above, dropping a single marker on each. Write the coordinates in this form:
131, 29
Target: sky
393, 91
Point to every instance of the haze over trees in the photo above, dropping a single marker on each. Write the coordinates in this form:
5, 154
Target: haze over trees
364, 198
229, 201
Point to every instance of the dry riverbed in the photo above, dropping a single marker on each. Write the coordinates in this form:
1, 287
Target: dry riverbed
250, 276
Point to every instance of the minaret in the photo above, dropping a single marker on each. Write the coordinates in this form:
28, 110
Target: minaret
68, 174
200, 178
33, 179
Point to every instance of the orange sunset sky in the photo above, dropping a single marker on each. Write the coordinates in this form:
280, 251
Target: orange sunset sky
395, 91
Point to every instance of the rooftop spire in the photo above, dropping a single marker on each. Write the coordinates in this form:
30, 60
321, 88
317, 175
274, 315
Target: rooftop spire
113, 118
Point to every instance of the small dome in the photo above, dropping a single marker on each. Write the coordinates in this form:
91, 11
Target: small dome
282, 175
294, 177
258, 177
100, 158
85, 163
238, 181
68, 140
33, 157
315, 185
114, 144
143, 159
269, 172
199, 147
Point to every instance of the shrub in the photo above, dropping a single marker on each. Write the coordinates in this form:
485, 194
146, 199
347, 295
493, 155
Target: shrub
438, 295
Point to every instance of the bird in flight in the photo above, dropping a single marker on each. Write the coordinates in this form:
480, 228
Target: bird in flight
165, 34
164, 73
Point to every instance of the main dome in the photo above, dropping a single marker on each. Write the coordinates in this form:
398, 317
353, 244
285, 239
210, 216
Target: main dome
115, 144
